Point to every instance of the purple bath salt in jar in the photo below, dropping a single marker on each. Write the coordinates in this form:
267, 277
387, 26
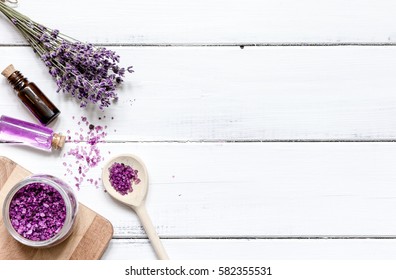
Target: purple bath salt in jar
40, 211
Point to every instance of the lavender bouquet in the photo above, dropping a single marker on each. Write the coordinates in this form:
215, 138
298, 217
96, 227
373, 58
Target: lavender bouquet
89, 73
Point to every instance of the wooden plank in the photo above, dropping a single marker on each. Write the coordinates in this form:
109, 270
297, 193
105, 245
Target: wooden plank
217, 94
93, 237
6, 168
247, 189
214, 22
231, 249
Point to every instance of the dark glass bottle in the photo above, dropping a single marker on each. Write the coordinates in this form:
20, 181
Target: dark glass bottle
31, 96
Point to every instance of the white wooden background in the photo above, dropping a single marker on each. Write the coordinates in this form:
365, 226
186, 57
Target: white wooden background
267, 127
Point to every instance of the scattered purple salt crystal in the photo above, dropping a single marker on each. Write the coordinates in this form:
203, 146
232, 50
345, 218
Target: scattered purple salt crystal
122, 176
88, 156
37, 212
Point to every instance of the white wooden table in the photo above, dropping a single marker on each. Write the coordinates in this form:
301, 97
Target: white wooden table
267, 127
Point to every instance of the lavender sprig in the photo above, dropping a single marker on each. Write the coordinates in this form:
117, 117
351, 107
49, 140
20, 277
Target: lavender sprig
89, 73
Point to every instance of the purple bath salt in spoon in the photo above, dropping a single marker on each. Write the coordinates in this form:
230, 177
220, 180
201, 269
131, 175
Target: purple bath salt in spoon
134, 197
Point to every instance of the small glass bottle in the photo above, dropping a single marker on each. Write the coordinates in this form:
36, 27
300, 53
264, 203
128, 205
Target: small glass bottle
39, 181
31, 96
30, 134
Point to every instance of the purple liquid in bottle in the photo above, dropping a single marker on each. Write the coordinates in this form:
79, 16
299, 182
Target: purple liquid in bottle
30, 134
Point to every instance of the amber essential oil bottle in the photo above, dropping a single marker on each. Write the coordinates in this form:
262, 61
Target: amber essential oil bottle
31, 96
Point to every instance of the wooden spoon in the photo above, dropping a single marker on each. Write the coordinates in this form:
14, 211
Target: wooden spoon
136, 198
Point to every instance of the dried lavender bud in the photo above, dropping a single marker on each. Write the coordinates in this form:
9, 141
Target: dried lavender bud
37, 212
90, 74
122, 176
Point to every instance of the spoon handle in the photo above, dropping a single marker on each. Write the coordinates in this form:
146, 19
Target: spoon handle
159, 249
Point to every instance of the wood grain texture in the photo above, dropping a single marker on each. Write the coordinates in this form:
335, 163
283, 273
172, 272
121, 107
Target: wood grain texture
205, 89
253, 249
214, 22
229, 94
248, 190
7, 166
93, 238
88, 241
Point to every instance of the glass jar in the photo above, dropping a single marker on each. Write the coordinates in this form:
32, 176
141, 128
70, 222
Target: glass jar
27, 211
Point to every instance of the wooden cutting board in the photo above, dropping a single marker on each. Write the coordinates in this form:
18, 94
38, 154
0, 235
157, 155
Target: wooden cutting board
88, 241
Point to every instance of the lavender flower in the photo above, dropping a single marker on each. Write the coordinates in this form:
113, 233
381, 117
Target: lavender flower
89, 73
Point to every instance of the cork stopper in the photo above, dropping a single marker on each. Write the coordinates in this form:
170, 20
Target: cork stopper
58, 141
8, 71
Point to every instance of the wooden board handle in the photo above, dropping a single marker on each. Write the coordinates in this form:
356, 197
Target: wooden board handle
159, 249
